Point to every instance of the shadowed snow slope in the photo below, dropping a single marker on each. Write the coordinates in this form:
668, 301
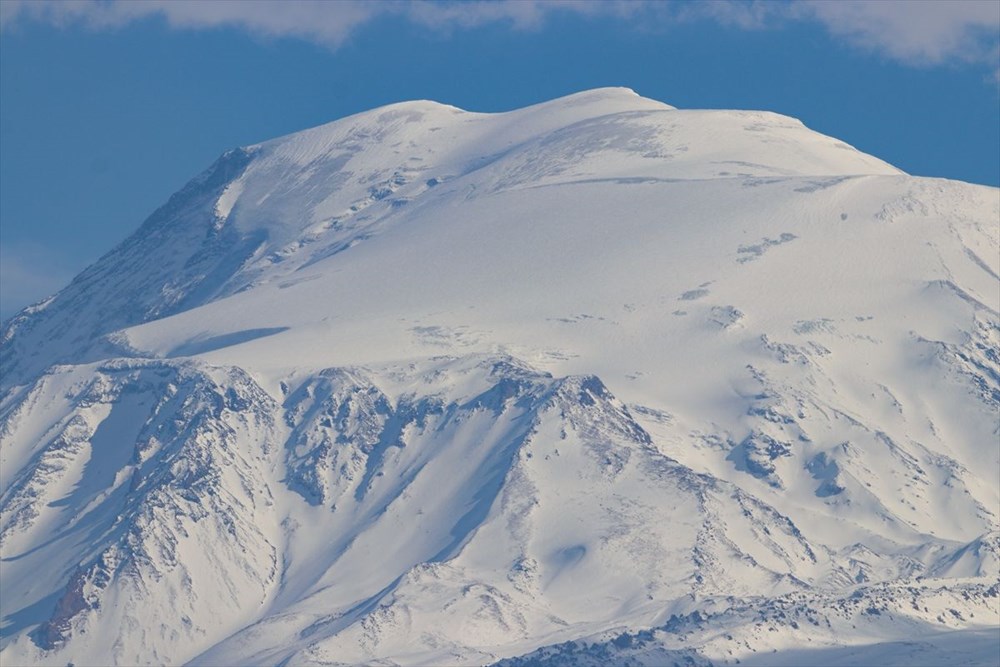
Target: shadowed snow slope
595, 380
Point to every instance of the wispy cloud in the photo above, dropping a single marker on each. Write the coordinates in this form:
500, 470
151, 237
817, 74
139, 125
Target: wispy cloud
328, 23
921, 32
323, 21
914, 32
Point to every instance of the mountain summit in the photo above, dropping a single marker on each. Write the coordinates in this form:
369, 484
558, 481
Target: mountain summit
593, 380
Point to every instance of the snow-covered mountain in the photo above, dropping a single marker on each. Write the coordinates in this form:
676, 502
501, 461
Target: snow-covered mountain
594, 381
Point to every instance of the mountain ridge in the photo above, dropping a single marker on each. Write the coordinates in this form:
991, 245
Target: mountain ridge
587, 380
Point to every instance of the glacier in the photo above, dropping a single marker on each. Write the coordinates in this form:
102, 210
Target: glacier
596, 381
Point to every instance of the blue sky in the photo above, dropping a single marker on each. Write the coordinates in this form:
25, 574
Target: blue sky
109, 106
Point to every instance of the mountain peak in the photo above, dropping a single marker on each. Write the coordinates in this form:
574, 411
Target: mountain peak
592, 379
273, 208
613, 95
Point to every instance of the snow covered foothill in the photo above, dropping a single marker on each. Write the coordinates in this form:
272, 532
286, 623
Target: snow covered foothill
594, 380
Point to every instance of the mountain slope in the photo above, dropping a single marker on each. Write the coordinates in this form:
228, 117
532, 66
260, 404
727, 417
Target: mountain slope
425, 386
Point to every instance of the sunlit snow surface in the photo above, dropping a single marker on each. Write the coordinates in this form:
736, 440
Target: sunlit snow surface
596, 380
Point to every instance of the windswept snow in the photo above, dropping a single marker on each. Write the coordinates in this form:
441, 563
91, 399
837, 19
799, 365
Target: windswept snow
594, 380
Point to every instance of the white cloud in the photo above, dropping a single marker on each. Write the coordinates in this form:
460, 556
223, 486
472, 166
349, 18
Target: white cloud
323, 21
921, 32
328, 23
915, 32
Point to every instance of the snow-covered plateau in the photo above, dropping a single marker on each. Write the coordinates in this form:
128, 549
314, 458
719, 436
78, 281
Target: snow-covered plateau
594, 382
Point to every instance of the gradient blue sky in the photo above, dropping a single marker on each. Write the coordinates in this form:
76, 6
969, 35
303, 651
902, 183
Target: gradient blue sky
109, 106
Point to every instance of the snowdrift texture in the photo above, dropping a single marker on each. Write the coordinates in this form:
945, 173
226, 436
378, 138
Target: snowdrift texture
598, 381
